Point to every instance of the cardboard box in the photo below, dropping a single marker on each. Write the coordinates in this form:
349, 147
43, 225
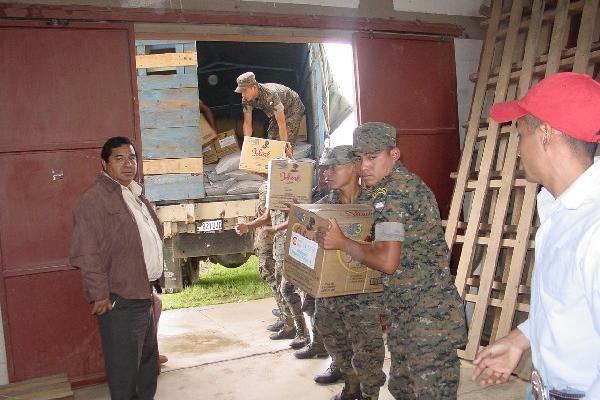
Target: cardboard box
290, 181
226, 143
209, 154
328, 273
257, 152
207, 133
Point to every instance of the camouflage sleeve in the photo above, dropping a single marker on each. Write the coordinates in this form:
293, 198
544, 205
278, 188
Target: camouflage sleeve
246, 106
389, 226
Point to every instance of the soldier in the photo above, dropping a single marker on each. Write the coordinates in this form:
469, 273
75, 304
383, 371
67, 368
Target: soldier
426, 321
350, 324
263, 244
281, 104
300, 334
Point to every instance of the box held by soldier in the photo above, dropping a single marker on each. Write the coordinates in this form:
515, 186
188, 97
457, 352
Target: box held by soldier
257, 152
328, 273
290, 181
226, 143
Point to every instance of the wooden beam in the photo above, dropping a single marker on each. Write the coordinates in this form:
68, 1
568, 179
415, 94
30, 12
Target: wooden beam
173, 166
166, 60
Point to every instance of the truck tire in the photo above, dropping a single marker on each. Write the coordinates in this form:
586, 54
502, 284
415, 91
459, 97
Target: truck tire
190, 270
230, 260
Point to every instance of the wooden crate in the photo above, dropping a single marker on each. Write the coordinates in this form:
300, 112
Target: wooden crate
492, 221
170, 118
53, 387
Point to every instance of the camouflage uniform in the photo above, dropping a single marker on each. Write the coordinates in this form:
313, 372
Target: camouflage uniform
426, 320
264, 253
274, 97
288, 290
352, 333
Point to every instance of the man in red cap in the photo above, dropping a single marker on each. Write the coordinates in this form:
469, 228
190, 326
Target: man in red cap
558, 122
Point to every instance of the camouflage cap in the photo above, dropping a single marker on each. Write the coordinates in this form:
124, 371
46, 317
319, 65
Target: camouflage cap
373, 137
339, 155
244, 80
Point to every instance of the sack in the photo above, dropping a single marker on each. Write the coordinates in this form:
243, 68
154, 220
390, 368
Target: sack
219, 188
244, 176
302, 150
228, 163
243, 187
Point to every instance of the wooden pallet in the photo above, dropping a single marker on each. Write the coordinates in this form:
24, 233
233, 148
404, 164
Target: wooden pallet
53, 387
492, 218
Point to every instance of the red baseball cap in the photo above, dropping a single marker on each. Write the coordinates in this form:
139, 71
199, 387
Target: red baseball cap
568, 101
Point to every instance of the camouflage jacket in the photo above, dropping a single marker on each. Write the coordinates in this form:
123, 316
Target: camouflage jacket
274, 97
406, 210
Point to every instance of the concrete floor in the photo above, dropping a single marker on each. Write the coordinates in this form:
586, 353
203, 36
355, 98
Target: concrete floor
223, 352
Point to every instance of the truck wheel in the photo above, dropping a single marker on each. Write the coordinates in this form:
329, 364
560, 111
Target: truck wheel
230, 260
190, 271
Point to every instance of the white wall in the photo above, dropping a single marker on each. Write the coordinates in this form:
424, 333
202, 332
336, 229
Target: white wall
466, 54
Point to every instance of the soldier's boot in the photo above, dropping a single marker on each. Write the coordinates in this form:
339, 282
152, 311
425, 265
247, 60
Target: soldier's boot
302, 337
287, 332
276, 326
371, 397
331, 375
311, 351
276, 312
351, 390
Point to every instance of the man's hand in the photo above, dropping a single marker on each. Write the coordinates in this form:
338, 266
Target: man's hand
101, 306
289, 151
333, 238
495, 363
241, 229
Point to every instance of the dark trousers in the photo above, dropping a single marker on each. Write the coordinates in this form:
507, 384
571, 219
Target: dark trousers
130, 349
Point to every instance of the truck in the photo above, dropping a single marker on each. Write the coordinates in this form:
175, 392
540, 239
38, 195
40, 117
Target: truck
174, 78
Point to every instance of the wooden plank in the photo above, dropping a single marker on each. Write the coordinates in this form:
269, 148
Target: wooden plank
173, 166
174, 187
53, 387
584, 39
226, 209
183, 212
165, 60
176, 81
472, 131
169, 118
558, 38
181, 99
465, 263
181, 142
153, 44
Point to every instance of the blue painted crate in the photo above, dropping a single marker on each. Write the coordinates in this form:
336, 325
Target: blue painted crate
171, 143
174, 187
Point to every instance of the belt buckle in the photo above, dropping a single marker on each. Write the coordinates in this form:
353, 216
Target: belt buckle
537, 387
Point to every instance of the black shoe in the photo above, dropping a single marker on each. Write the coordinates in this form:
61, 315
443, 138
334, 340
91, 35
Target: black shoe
331, 375
275, 326
283, 334
311, 351
276, 312
300, 341
343, 395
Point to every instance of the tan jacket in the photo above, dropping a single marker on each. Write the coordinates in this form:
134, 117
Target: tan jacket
106, 244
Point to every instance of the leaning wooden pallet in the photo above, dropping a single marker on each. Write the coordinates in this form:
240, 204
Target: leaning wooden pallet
492, 215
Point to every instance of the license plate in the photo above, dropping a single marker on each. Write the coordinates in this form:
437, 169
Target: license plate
210, 225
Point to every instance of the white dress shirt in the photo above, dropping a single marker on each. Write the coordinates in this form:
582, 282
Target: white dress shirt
564, 321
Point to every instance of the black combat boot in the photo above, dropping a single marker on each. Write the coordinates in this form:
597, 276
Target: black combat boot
331, 375
302, 337
313, 350
276, 326
351, 390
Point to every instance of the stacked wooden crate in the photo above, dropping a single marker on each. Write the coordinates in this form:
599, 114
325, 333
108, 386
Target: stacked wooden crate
172, 130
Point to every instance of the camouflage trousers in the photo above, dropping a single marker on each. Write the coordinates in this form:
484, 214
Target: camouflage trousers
426, 324
266, 265
287, 289
352, 335
292, 123
308, 307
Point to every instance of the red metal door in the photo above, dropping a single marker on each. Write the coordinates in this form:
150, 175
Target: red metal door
410, 82
65, 90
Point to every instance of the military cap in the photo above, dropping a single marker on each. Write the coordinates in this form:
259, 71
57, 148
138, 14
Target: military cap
339, 155
373, 137
244, 80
